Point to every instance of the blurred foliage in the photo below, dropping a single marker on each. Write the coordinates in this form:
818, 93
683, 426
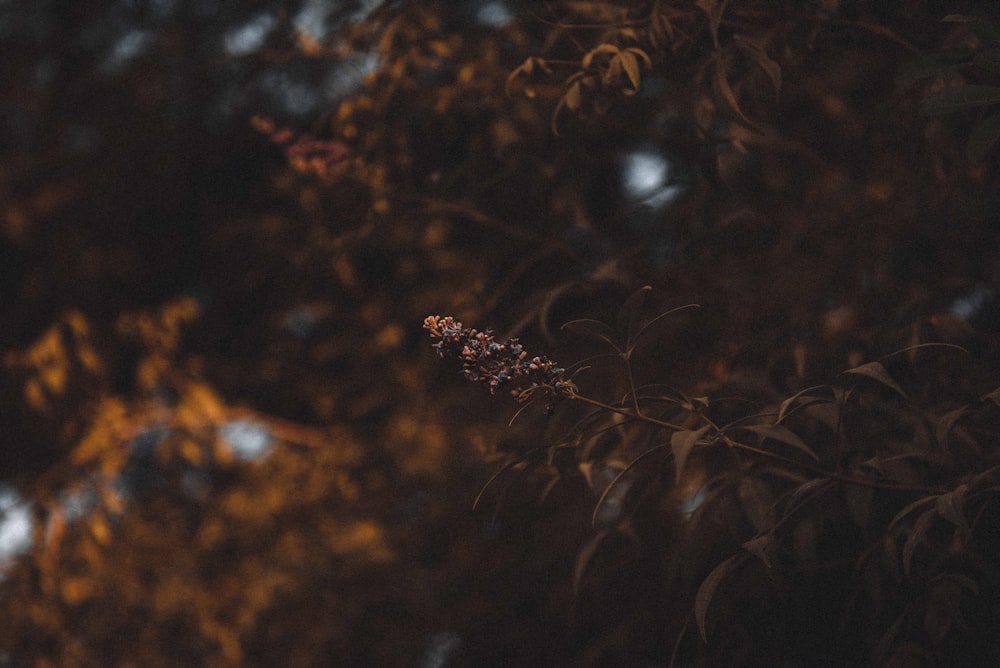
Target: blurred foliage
210, 246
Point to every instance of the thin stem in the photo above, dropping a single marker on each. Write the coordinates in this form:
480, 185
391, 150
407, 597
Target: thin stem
829, 475
627, 412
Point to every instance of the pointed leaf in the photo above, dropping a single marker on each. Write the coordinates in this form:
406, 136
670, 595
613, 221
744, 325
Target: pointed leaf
875, 464
588, 59
642, 55
714, 10
554, 123
707, 6
681, 442
573, 97
663, 22
993, 396
783, 411
783, 434
959, 98
549, 486
708, 586
704, 500
506, 467
587, 469
984, 138
810, 488
628, 34
983, 30
593, 328
587, 553
949, 506
631, 66
621, 474
876, 371
910, 508
822, 415
945, 425
662, 315
524, 69
985, 476
613, 73
725, 96
928, 64
761, 547
921, 346
917, 535
628, 314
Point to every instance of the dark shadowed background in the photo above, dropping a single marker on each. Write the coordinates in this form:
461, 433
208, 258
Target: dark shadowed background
226, 439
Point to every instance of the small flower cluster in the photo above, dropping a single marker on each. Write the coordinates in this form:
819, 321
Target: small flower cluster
487, 361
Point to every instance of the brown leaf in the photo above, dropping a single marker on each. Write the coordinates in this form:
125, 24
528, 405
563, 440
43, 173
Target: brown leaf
631, 67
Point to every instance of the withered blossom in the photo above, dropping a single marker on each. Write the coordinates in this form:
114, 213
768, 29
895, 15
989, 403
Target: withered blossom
485, 360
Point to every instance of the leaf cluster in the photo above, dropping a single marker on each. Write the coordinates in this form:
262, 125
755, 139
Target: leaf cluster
846, 503
963, 77
657, 39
